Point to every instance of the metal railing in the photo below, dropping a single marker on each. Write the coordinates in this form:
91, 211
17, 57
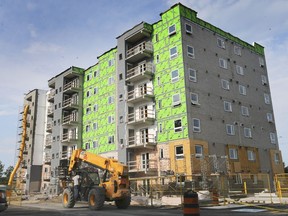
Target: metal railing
69, 136
70, 118
139, 70
144, 166
51, 95
139, 92
73, 84
141, 115
142, 140
70, 102
144, 46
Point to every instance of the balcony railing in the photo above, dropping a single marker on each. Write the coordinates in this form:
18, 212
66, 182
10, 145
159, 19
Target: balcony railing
48, 142
50, 111
51, 96
140, 94
141, 116
70, 103
74, 85
49, 127
67, 137
140, 51
144, 70
70, 119
47, 159
144, 140
46, 176
142, 166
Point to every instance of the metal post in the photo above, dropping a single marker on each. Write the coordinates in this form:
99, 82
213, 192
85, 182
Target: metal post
245, 187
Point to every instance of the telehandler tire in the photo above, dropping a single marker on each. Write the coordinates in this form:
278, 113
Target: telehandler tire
96, 198
123, 203
68, 200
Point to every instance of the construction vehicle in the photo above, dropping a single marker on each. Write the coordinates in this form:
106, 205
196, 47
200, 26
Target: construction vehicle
113, 185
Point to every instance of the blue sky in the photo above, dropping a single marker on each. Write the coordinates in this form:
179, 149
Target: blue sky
39, 39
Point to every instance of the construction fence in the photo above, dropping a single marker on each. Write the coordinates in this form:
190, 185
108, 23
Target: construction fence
224, 187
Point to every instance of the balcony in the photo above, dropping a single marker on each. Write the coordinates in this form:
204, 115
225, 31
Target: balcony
50, 112
144, 140
51, 96
140, 95
139, 52
72, 86
49, 127
70, 119
48, 142
69, 137
47, 159
46, 176
142, 166
145, 116
70, 103
64, 155
140, 72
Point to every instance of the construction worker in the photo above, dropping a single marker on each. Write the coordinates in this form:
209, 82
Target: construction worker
76, 185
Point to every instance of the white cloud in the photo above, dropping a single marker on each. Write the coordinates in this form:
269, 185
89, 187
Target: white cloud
41, 47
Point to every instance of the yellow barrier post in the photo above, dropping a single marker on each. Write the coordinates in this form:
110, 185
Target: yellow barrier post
279, 191
245, 187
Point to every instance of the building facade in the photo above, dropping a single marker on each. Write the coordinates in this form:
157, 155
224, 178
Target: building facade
29, 177
182, 90
64, 128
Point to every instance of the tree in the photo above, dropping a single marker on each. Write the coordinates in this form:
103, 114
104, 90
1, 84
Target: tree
1, 168
286, 169
8, 172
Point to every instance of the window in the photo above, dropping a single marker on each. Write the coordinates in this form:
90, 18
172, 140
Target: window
244, 111
223, 63
111, 62
179, 152
95, 108
188, 28
120, 76
110, 80
247, 132
160, 104
87, 128
174, 76
158, 81
198, 150
192, 75
87, 145
95, 125
239, 70
277, 158
273, 138
233, 153
242, 90
88, 110
96, 73
230, 130
267, 98
157, 58
225, 84
227, 106
196, 125
157, 37
221, 43
95, 90
237, 50
160, 128
110, 99
269, 117
251, 155
172, 29
173, 52
194, 98
264, 80
161, 153
110, 119
88, 77
261, 62
110, 139
176, 100
88, 94
120, 56
145, 161
95, 144
190, 52
178, 125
